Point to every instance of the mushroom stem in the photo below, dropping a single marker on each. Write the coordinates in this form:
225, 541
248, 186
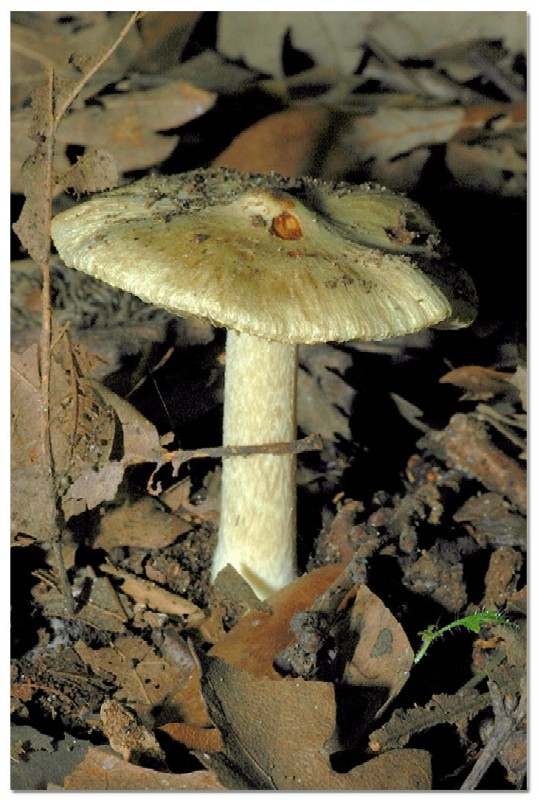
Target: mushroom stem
257, 532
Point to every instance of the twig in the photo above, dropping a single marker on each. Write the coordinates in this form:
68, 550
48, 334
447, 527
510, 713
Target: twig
61, 110
505, 722
491, 71
311, 442
42, 160
45, 352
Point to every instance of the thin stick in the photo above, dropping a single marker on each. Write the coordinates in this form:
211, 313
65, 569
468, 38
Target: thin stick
505, 724
61, 110
312, 442
54, 117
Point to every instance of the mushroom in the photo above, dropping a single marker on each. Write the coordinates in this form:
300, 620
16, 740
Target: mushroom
278, 263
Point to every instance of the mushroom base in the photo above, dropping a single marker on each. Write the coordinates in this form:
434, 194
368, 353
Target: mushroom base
257, 532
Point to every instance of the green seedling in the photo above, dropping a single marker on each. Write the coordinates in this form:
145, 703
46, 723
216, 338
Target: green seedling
472, 622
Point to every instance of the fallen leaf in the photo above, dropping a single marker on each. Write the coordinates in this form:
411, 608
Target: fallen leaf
140, 439
144, 678
155, 597
390, 131
82, 431
257, 638
129, 737
480, 383
382, 657
491, 521
336, 38
324, 397
257, 39
469, 448
103, 771
194, 737
286, 143
275, 732
95, 171
126, 124
143, 523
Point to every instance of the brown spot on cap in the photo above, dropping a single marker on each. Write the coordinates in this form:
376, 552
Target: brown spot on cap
286, 226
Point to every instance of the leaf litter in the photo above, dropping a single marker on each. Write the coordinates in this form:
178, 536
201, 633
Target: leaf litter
197, 687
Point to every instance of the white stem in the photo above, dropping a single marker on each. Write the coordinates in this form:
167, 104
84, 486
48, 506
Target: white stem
257, 532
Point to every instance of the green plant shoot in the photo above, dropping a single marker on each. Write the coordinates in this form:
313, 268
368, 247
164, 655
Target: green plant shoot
472, 622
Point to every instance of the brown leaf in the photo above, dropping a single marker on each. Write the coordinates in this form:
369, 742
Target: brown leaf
256, 639
285, 143
480, 383
155, 597
164, 34
140, 438
143, 523
128, 737
103, 771
125, 124
33, 224
324, 398
144, 678
206, 740
469, 448
95, 171
390, 131
275, 733
383, 656
81, 429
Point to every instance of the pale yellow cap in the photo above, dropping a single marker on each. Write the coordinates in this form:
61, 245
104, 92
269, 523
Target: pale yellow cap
290, 261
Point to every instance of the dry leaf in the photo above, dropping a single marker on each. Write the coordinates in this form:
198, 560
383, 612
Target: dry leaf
82, 432
206, 740
495, 166
324, 398
383, 656
128, 737
144, 678
480, 383
125, 124
140, 439
286, 143
257, 39
95, 171
390, 131
155, 597
103, 771
336, 38
275, 735
164, 35
469, 448
257, 638
143, 523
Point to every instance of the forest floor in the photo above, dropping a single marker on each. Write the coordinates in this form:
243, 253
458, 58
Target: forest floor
398, 658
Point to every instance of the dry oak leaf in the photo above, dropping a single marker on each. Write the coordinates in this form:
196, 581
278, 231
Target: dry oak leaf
257, 39
259, 636
335, 38
82, 432
275, 735
101, 770
128, 736
145, 523
285, 143
155, 597
126, 124
144, 678
383, 656
469, 448
480, 383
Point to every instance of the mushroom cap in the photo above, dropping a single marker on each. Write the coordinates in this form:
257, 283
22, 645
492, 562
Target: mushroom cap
290, 261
